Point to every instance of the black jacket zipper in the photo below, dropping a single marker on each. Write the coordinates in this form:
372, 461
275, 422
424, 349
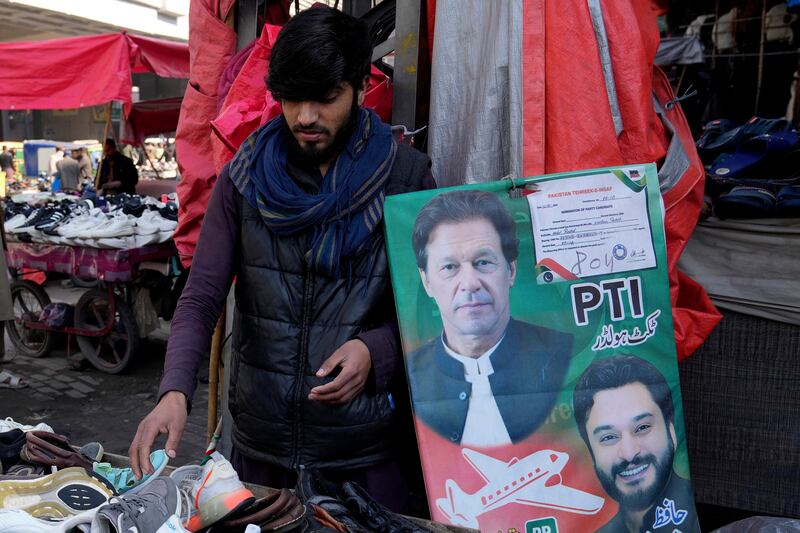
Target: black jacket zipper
300, 371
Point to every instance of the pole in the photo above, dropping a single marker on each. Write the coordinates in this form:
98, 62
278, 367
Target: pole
158, 174
105, 136
761, 54
213, 374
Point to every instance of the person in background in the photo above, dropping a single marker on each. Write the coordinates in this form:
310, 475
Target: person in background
117, 172
69, 171
57, 156
85, 162
7, 163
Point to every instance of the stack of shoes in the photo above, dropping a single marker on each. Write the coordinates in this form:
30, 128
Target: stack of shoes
60, 501
120, 222
347, 507
160, 507
748, 166
281, 511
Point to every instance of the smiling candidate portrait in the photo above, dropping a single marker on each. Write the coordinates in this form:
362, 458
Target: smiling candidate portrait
624, 412
487, 380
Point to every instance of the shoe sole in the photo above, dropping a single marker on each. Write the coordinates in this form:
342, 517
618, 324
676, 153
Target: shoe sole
66, 493
21, 522
218, 508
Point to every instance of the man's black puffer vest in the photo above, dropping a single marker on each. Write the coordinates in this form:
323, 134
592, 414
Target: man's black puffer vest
288, 321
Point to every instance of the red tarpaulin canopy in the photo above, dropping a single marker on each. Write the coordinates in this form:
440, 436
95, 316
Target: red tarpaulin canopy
83, 71
150, 117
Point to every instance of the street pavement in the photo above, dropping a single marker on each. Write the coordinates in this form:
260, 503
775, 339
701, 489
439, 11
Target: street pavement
88, 405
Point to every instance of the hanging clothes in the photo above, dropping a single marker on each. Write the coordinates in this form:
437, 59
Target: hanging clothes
577, 89
211, 45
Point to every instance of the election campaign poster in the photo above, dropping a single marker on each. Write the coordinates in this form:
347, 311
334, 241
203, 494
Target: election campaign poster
538, 339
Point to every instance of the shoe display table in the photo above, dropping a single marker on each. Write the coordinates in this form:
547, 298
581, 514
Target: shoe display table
116, 266
104, 325
259, 491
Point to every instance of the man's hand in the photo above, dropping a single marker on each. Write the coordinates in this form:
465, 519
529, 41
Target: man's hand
169, 417
354, 359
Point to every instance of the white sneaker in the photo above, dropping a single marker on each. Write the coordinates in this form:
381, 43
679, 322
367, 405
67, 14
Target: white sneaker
144, 226
17, 521
82, 224
164, 236
8, 424
15, 222
146, 240
117, 226
153, 218
217, 493
116, 243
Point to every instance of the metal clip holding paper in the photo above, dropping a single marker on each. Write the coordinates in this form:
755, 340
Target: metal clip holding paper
517, 191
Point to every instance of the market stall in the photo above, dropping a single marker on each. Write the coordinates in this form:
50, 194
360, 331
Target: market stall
117, 236
104, 325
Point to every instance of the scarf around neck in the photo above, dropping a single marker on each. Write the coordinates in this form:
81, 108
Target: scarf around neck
340, 218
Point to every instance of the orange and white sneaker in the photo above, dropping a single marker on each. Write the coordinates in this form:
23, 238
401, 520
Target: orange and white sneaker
216, 493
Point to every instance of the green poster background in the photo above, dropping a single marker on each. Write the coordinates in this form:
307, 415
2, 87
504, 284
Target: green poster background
548, 305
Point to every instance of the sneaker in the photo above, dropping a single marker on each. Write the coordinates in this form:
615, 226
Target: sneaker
36, 216
11, 443
16, 521
24, 470
169, 211
8, 424
157, 509
133, 206
164, 236
56, 217
154, 219
116, 243
93, 451
217, 493
123, 478
68, 492
82, 224
145, 240
15, 222
117, 226
186, 476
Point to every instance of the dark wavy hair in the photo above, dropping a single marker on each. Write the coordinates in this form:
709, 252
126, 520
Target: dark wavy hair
615, 372
315, 51
460, 206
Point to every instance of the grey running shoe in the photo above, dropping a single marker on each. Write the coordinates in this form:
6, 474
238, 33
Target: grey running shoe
156, 509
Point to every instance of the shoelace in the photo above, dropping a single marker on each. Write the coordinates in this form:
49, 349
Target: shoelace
187, 507
133, 505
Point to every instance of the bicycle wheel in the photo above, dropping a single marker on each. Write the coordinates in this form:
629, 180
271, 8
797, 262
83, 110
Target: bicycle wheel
28, 299
113, 352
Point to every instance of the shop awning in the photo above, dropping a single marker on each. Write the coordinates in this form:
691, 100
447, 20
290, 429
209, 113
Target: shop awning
83, 71
150, 117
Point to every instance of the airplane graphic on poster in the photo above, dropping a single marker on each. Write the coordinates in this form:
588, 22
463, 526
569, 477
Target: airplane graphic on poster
535, 480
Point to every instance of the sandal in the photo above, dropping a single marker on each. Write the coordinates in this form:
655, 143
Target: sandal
10, 381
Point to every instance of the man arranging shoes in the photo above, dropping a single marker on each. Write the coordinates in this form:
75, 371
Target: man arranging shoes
296, 217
